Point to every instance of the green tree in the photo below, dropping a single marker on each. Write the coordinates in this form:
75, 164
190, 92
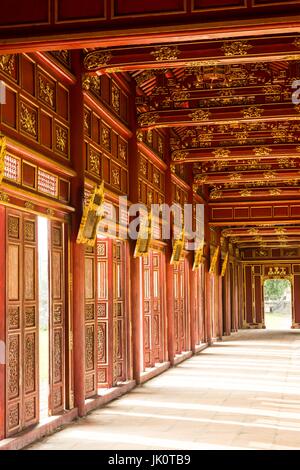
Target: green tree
274, 288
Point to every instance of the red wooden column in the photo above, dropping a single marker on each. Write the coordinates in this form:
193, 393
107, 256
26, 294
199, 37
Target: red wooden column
192, 285
169, 272
2, 321
78, 278
207, 280
136, 291
193, 301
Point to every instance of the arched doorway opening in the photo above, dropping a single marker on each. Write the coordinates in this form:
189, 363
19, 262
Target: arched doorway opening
278, 304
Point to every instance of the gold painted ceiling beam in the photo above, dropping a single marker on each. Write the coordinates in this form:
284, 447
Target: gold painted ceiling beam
246, 152
254, 231
193, 54
247, 177
219, 115
253, 193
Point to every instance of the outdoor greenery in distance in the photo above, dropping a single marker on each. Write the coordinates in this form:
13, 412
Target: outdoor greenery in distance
274, 288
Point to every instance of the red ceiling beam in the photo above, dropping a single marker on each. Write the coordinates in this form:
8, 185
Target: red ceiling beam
193, 54
233, 114
247, 152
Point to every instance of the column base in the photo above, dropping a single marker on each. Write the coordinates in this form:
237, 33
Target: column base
151, 372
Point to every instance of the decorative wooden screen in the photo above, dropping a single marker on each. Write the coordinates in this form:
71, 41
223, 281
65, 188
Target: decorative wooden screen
153, 310
180, 312
90, 322
57, 316
22, 321
104, 339
119, 311
111, 308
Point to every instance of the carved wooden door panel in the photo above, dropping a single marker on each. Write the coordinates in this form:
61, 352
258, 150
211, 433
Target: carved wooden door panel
147, 311
111, 308
90, 322
57, 316
119, 312
157, 312
22, 322
103, 309
153, 318
180, 323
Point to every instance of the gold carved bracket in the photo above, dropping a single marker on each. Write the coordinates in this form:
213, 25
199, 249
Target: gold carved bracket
92, 214
144, 236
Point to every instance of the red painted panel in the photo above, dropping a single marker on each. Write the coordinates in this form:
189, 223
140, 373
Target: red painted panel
136, 7
62, 102
14, 12
216, 4
295, 211
297, 298
9, 110
241, 212
261, 212
29, 175
46, 130
67, 10
224, 213
28, 75
281, 211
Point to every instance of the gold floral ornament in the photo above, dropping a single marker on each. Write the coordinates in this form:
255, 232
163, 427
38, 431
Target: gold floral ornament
144, 236
96, 59
2, 156
231, 48
213, 263
146, 119
198, 256
245, 192
61, 139
8, 63
262, 151
253, 231
269, 175
162, 53
216, 193
93, 212
235, 176
221, 153
200, 179
280, 230
200, 115
46, 92
297, 42
252, 112
180, 95
275, 192
277, 271
224, 265
91, 82
179, 155
28, 120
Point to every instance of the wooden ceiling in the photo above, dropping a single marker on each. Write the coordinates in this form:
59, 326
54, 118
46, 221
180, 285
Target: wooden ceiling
217, 75
229, 110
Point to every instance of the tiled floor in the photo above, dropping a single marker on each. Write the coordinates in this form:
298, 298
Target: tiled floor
242, 393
